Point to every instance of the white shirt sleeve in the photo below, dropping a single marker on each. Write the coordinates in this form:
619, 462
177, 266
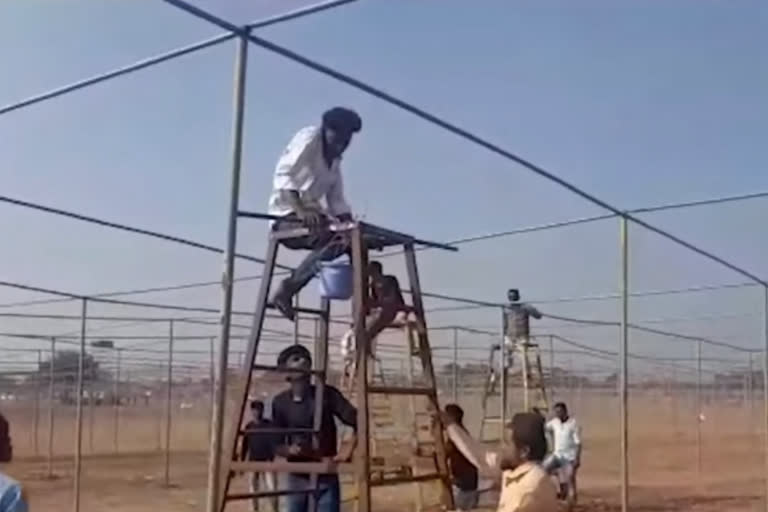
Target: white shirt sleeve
486, 461
293, 159
337, 203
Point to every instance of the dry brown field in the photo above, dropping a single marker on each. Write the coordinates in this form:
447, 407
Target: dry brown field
664, 469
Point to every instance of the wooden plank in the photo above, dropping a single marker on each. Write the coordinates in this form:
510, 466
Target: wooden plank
362, 461
429, 373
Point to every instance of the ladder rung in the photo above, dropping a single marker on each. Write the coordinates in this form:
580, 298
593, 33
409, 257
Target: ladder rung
269, 368
267, 494
283, 466
398, 390
306, 311
405, 479
276, 430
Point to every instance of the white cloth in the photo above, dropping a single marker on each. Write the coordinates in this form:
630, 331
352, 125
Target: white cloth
303, 169
348, 345
566, 436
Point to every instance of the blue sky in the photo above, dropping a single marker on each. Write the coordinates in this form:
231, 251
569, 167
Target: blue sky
639, 103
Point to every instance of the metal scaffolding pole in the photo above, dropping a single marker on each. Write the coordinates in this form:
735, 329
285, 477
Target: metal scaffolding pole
765, 388
168, 406
455, 383
116, 400
51, 403
239, 92
623, 363
552, 368
79, 411
36, 426
503, 356
212, 377
698, 411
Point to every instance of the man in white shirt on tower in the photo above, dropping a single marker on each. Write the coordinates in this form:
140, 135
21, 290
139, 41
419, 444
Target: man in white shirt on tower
566, 452
308, 190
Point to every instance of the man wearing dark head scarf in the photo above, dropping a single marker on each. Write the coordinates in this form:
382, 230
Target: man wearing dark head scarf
12, 497
308, 189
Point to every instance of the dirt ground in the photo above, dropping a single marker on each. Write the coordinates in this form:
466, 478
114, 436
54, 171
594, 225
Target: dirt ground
664, 472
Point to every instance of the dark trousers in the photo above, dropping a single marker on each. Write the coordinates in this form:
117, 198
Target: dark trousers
324, 246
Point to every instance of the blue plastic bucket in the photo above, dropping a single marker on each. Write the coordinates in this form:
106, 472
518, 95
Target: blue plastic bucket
336, 280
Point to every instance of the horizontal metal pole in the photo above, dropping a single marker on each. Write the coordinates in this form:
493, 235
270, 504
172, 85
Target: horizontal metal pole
166, 56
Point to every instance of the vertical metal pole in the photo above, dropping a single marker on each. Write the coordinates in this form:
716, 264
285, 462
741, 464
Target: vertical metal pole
623, 364
455, 365
168, 406
751, 393
116, 400
91, 399
212, 377
525, 370
698, 411
503, 356
214, 463
36, 427
552, 368
765, 388
79, 411
296, 330
51, 403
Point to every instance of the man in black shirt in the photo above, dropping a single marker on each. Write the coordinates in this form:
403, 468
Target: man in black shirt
294, 409
463, 472
260, 446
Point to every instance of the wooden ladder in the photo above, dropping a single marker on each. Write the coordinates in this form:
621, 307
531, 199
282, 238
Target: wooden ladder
360, 236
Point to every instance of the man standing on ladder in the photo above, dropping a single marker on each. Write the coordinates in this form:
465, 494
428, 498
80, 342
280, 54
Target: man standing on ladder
517, 317
308, 190
294, 409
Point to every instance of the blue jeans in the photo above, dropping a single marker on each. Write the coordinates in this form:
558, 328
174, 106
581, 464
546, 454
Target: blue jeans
328, 496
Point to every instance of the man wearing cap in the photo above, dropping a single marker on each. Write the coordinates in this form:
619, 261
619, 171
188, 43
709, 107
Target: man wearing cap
294, 409
308, 189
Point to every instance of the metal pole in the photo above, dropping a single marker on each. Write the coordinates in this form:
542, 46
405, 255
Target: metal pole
455, 365
36, 428
623, 363
91, 400
751, 393
168, 403
503, 377
116, 400
51, 402
296, 330
212, 377
214, 463
552, 368
79, 413
765, 388
698, 411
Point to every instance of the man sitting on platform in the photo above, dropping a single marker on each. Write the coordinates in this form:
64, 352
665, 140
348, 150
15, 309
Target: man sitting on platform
308, 190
